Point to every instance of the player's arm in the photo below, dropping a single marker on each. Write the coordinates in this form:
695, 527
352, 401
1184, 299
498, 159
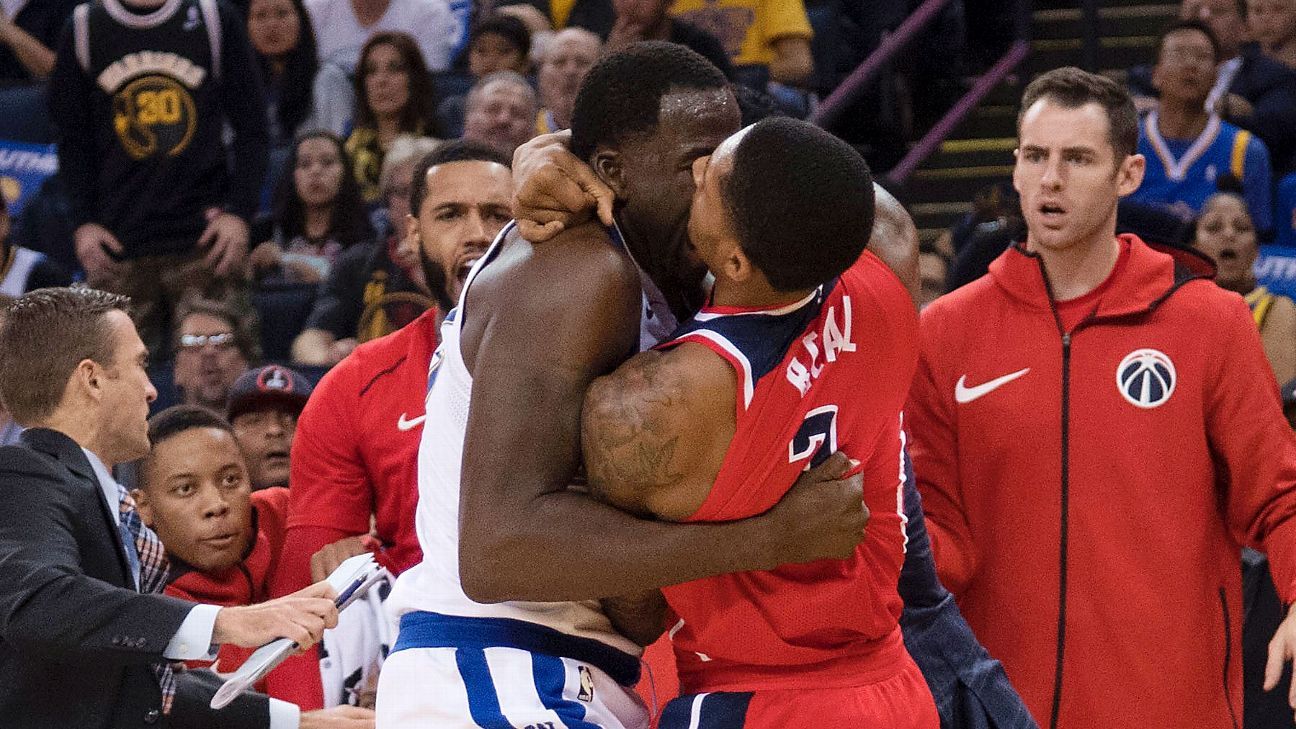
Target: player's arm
523, 534
654, 432
653, 435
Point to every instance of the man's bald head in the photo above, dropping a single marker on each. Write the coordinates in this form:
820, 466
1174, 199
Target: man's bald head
895, 239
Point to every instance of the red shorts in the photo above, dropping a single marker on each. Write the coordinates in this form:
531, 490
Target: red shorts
899, 702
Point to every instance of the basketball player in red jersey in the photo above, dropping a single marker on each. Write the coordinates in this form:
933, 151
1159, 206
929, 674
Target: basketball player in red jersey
807, 347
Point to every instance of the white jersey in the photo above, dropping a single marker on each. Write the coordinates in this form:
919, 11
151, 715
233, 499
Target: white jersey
433, 585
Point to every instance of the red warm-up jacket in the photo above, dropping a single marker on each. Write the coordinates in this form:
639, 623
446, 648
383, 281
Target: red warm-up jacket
247, 582
1088, 487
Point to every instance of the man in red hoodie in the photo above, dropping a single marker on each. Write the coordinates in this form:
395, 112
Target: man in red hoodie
222, 539
1096, 433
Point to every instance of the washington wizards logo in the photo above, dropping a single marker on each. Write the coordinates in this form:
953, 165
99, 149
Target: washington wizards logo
1146, 378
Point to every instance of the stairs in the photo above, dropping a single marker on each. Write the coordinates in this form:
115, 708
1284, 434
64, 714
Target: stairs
979, 153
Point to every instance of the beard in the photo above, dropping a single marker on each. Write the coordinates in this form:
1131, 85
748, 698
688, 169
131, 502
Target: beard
437, 281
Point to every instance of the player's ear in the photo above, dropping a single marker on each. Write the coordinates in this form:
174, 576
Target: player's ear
735, 265
608, 166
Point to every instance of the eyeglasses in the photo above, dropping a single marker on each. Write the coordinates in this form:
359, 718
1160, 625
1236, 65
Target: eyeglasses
194, 342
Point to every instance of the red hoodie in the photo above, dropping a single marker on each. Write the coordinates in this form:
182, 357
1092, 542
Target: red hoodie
245, 583
1088, 492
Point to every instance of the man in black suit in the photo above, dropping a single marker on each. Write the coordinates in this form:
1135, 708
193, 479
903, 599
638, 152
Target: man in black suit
80, 645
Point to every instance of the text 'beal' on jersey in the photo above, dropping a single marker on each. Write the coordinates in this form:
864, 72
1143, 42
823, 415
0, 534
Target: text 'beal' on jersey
804, 368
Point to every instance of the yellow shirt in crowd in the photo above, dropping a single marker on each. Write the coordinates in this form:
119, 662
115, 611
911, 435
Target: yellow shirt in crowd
746, 28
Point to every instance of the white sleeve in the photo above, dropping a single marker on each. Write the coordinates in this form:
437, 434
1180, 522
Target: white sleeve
193, 641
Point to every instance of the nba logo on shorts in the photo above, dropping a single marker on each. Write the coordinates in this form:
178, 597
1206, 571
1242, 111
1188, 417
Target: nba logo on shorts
586, 684
1146, 378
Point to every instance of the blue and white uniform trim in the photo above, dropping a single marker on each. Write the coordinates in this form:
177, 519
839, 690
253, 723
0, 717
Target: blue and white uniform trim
433, 630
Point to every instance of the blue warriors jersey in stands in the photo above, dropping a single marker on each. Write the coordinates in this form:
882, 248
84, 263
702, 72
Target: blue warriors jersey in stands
1183, 173
155, 117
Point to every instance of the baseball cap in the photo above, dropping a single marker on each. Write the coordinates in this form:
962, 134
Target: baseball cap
269, 386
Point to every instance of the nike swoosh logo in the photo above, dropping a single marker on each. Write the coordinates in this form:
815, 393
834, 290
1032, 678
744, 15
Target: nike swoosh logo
964, 394
403, 425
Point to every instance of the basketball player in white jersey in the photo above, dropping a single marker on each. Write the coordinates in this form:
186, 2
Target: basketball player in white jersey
501, 624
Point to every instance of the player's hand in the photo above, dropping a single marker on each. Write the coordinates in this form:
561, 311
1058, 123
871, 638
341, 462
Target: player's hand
226, 241
822, 516
93, 243
338, 717
302, 617
327, 559
1281, 650
553, 190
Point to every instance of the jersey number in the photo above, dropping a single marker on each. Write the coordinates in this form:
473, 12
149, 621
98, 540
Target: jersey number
819, 429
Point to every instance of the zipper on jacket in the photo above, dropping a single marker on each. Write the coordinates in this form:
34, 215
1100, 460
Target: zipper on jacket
1228, 655
1063, 528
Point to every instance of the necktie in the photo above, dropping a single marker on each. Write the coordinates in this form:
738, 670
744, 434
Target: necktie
149, 564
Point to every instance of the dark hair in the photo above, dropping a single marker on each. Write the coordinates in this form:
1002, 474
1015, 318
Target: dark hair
508, 27
801, 201
243, 340
348, 222
179, 418
1192, 24
419, 114
173, 421
44, 335
621, 95
462, 150
1072, 88
296, 87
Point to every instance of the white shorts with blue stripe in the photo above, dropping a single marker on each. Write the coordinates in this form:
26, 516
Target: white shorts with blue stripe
499, 687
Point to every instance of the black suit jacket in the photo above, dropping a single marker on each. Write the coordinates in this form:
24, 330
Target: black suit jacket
76, 638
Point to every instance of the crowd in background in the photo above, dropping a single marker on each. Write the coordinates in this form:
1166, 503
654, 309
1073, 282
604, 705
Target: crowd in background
253, 175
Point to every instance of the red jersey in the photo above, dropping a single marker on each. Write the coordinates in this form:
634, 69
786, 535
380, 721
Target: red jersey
355, 453
828, 373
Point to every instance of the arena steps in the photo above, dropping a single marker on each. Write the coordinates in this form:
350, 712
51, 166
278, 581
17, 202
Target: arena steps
979, 153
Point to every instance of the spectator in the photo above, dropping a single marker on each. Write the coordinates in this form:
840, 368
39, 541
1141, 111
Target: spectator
263, 407
1188, 149
1225, 232
394, 96
160, 201
26, 51
22, 269
1273, 24
317, 214
211, 351
374, 289
1251, 90
344, 27
284, 43
568, 56
222, 538
357, 440
499, 42
640, 20
501, 112
767, 40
